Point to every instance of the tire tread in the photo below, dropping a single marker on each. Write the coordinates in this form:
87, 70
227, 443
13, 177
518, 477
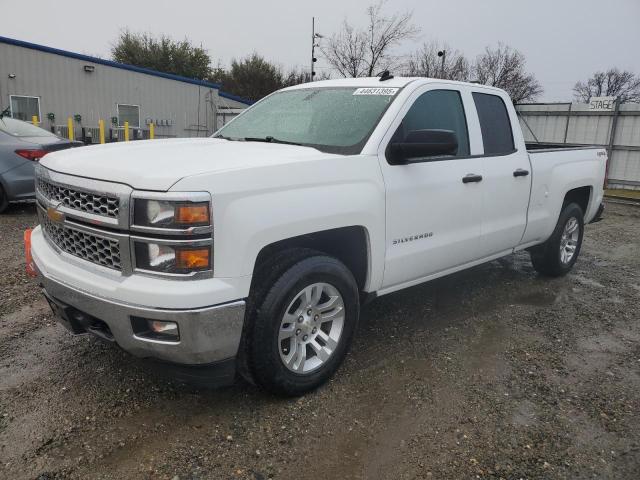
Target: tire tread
266, 368
545, 258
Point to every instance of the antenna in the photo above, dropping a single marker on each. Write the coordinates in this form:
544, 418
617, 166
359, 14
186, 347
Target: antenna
385, 76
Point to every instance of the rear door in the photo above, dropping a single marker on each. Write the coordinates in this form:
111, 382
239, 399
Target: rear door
433, 217
507, 174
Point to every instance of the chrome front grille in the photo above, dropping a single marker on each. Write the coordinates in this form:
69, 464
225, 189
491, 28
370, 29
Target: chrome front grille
77, 199
93, 248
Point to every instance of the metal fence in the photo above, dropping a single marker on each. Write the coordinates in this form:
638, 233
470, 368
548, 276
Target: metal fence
573, 123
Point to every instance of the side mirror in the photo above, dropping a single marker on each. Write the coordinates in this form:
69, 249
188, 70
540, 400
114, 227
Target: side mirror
420, 144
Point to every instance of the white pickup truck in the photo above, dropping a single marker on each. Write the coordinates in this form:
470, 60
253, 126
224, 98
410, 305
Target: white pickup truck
251, 252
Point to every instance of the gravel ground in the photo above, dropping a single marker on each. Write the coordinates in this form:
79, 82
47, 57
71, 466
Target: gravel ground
490, 373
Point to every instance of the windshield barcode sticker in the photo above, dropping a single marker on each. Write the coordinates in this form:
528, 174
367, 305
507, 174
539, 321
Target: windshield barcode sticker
376, 91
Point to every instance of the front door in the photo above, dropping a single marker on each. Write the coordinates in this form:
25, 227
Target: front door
433, 217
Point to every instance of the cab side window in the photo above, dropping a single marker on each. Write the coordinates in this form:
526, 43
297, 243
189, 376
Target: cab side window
495, 125
437, 109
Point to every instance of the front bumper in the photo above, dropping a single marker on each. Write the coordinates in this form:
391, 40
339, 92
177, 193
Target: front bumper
207, 335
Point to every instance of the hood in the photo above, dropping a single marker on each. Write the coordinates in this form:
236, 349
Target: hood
158, 164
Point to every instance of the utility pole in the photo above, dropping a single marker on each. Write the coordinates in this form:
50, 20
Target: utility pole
314, 36
443, 54
313, 47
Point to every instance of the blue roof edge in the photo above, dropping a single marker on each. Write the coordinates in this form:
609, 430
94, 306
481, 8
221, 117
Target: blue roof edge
230, 96
123, 66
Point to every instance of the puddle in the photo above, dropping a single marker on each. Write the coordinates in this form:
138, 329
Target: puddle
625, 251
587, 281
602, 343
538, 299
524, 414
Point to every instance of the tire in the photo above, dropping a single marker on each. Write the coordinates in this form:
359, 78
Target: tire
4, 203
293, 349
559, 253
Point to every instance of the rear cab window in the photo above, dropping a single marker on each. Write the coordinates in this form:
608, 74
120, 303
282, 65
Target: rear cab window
497, 135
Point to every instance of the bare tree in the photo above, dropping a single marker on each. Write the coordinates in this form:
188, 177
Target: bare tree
345, 51
504, 67
357, 52
426, 63
613, 83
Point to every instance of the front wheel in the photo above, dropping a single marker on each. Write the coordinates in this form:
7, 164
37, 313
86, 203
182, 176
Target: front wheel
304, 326
559, 253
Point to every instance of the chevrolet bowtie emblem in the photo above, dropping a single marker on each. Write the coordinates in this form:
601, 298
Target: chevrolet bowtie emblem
54, 214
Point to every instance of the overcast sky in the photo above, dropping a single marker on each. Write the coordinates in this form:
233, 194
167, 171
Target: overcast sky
563, 40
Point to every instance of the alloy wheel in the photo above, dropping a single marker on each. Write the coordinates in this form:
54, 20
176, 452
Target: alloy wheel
311, 328
569, 240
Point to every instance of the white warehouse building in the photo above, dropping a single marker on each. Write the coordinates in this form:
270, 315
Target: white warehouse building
56, 85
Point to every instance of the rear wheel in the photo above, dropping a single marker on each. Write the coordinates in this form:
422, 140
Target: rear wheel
4, 202
304, 326
559, 253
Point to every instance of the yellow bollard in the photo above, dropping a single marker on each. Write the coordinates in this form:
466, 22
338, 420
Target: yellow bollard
70, 128
152, 131
34, 120
126, 131
101, 128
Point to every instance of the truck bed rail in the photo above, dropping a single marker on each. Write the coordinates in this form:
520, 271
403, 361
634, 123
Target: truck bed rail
536, 147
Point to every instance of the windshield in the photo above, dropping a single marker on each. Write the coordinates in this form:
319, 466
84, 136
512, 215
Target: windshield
18, 128
334, 120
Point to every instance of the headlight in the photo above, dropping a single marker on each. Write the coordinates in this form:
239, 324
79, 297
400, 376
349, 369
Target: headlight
171, 214
172, 259
173, 233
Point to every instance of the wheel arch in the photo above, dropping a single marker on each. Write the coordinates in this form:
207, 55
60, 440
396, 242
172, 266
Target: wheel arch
350, 245
579, 195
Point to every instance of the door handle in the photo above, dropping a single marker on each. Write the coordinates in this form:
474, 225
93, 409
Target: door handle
471, 178
521, 173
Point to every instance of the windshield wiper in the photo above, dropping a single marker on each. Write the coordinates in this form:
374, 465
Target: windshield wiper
270, 139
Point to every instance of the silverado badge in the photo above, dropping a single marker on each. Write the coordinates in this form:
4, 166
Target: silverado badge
412, 238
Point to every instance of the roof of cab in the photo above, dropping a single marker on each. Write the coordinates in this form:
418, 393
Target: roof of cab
374, 82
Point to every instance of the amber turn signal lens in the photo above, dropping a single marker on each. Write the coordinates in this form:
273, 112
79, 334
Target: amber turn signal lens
193, 259
190, 214
30, 266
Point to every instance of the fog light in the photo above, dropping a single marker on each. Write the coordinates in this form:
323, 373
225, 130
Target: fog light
167, 328
148, 329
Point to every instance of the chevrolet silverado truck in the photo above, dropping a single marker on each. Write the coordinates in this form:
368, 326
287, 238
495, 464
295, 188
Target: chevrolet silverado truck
250, 252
